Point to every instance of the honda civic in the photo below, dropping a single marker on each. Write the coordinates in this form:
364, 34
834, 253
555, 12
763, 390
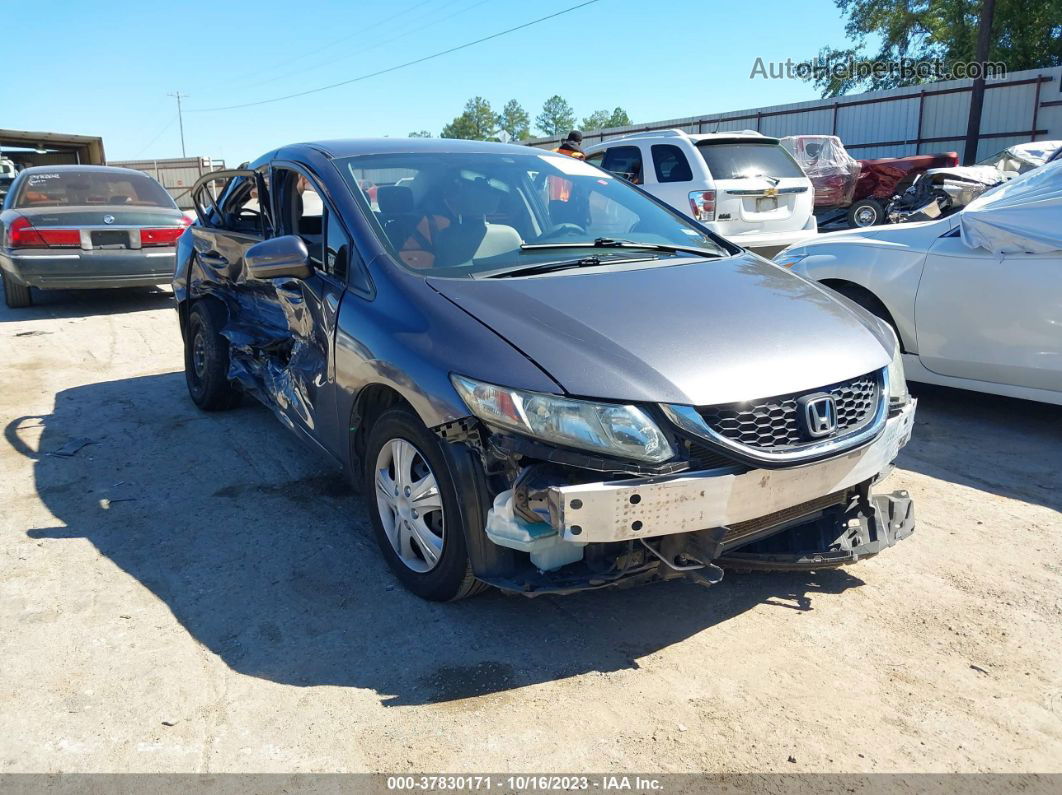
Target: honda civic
542, 378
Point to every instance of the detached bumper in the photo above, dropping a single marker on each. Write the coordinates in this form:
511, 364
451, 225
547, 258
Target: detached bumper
79, 270
647, 507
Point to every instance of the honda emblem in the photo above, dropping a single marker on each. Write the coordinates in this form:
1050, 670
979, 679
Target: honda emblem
817, 415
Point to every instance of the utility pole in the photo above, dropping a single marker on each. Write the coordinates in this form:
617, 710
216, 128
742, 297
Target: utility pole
977, 96
180, 117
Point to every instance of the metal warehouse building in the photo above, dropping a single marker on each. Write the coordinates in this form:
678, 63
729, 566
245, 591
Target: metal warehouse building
1024, 106
177, 175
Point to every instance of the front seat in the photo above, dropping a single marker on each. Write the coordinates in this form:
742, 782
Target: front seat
471, 236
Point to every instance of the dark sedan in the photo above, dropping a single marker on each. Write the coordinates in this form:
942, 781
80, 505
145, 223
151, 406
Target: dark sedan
78, 227
541, 377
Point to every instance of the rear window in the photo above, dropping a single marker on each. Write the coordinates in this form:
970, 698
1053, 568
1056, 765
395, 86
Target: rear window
81, 188
742, 160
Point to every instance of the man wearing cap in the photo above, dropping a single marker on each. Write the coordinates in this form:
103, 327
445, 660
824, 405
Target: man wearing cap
570, 146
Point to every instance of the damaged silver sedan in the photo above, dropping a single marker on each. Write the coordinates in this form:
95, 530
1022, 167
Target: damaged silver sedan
541, 378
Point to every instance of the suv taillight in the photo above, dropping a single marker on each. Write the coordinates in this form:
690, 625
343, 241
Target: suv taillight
702, 205
23, 234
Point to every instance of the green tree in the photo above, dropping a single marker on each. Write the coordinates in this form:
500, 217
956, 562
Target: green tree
602, 119
619, 118
556, 118
515, 121
477, 123
420, 134
1026, 34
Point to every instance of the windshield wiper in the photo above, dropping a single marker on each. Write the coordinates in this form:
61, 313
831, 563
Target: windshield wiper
608, 242
549, 267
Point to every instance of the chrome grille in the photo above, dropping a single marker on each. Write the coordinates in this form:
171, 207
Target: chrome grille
771, 424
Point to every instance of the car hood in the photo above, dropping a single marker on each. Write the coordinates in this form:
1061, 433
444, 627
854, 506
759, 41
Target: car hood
697, 333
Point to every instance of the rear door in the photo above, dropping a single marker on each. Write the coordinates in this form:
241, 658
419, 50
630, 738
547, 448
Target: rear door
759, 186
670, 178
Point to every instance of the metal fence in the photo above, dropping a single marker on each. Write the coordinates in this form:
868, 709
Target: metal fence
176, 175
1024, 106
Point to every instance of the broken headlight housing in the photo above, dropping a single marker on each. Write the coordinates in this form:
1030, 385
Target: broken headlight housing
613, 429
898, 394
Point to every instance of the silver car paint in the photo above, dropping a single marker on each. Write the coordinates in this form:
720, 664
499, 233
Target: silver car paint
696, 333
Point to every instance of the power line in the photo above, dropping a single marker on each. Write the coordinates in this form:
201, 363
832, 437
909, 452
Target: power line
464, 46
180, 117
158, 135
375, 45
242, 83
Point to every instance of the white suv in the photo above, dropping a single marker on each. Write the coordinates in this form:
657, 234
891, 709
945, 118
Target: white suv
743, 186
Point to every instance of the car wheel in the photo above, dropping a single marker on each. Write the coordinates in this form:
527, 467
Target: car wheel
869, 301
415, 508
866, 212
206, 360
16, 295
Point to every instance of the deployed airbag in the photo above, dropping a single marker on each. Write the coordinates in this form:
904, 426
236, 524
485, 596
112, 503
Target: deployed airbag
1020, 216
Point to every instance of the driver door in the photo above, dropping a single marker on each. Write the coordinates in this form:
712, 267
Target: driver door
306, 393
991, 317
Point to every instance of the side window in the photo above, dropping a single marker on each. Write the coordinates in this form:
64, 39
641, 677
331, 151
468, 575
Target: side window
337, 248
341, 258
624, 161
595, 159
670, 164
232, 202
300, 211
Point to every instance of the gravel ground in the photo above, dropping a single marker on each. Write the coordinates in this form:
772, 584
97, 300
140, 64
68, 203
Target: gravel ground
192, 592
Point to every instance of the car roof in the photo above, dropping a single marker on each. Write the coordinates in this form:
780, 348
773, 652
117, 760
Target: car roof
67, 167
350, 147
735, 136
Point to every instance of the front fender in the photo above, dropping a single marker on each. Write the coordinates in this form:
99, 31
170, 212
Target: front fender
890, 273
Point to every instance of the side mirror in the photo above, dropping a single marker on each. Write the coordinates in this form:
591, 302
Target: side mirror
277, 258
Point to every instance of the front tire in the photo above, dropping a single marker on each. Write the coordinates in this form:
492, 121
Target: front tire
415, 508
16, 296
206, 360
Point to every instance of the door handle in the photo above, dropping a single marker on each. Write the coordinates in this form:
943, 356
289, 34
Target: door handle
213, 258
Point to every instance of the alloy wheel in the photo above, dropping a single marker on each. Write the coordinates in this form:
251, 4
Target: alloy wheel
410, 505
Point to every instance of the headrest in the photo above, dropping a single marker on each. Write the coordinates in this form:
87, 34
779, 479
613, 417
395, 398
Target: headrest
474, 199
394, 199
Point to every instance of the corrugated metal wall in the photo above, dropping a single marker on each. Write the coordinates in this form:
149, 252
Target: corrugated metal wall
176, 175
1024, 106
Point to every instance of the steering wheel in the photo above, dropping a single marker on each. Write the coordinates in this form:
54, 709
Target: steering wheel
560, 230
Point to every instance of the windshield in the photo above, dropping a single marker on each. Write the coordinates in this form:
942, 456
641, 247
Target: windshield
457, 214
751, 159
1009, 161
80, 188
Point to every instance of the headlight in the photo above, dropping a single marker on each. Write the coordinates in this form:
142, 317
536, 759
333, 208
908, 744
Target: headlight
613, 429
788, 260
898, 394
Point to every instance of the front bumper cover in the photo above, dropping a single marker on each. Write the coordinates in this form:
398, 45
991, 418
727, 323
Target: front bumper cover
624, 510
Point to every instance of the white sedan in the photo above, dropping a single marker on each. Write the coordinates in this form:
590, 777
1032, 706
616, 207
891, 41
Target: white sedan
975, 298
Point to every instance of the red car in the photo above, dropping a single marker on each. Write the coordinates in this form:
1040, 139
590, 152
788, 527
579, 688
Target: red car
856, 189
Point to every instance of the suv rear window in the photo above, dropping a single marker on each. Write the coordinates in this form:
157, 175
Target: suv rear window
752, 159
80, 188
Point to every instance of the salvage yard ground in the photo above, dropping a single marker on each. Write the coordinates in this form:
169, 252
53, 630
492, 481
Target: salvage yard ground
192, 592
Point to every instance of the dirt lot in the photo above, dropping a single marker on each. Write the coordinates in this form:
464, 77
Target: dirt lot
200, 593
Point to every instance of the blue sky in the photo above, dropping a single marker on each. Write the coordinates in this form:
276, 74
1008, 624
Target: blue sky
105, 68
